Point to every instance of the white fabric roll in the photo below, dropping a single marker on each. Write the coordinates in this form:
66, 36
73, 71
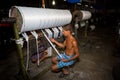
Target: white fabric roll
86, 15
31, 18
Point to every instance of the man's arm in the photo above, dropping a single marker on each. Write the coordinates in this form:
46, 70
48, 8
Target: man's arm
62, 45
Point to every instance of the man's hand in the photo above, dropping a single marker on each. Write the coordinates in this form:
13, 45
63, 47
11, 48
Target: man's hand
62, 45
52, 40
64, 60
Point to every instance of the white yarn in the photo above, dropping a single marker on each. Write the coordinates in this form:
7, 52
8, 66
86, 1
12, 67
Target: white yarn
40, 18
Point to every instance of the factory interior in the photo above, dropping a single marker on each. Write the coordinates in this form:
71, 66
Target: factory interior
96, 28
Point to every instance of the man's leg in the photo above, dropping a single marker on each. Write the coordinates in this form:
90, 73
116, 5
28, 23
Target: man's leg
55, 68
44, 56
55, 63
64, 73
54, 60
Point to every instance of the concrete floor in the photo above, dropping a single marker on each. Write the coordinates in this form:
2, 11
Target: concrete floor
96, 60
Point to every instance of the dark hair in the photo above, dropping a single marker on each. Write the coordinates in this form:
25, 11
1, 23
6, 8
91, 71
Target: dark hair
68, 27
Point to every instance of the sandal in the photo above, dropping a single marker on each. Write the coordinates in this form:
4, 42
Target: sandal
62, 75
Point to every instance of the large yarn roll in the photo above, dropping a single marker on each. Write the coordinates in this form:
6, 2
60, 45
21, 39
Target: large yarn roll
31, 18
81, 15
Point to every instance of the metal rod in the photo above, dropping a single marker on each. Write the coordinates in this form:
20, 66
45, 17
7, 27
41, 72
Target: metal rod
43, 3
51, 43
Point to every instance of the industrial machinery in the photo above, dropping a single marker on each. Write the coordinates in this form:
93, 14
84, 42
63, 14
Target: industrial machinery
43, 22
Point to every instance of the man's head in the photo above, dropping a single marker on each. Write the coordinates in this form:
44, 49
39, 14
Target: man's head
67, 29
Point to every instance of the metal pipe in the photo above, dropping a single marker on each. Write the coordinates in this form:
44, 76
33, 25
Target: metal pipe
51, 43
43, 3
